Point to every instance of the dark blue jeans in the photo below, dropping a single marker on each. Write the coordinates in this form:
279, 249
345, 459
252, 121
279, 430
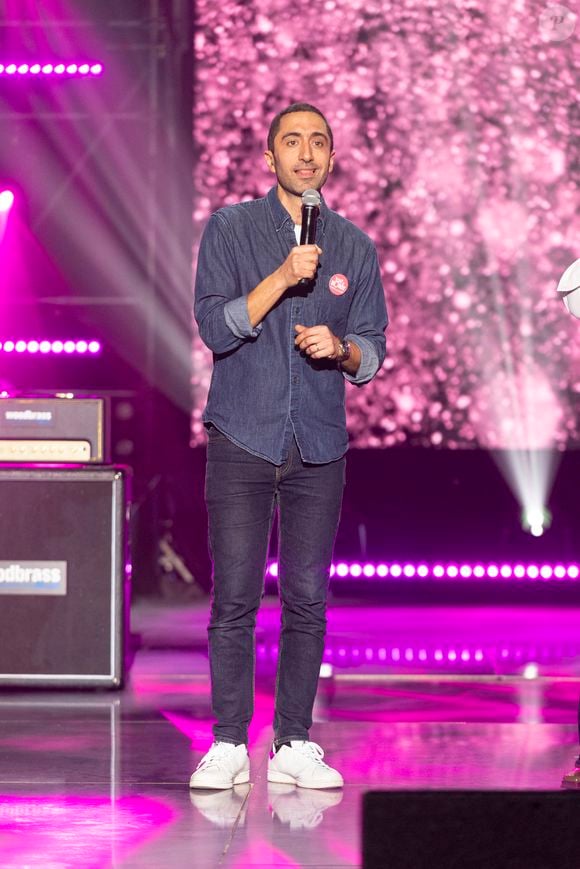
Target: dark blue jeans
242, 492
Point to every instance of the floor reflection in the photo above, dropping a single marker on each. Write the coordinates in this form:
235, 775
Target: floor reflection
299, 808
101, 779
75, 830
222, 808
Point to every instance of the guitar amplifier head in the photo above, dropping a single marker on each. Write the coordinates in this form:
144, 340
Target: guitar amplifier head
55, 429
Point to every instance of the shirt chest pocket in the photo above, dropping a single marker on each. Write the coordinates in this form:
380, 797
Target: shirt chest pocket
333, 298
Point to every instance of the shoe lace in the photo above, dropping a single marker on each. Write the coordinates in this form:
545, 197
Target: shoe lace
216, 754
313, 751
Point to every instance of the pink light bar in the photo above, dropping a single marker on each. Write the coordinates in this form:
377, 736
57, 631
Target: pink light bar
69, 347
456, 572
82, 69
428, 654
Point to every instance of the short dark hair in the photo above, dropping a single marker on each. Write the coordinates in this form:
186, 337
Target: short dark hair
290, 110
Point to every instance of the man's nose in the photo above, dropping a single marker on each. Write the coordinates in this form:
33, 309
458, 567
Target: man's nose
306, 152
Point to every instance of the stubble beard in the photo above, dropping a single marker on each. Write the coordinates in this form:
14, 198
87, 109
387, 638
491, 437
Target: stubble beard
309, 183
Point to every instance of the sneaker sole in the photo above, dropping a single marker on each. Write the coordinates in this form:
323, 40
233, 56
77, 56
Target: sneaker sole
241, 779
282, 778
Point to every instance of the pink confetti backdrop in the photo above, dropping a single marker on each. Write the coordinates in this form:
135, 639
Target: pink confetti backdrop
456, 132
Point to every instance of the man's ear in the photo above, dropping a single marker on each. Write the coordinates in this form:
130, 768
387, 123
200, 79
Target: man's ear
331, 162
269, 158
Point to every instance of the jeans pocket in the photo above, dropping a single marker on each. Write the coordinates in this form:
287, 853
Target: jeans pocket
214, 434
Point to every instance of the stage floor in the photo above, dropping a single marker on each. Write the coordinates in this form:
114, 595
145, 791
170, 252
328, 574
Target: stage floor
100, 779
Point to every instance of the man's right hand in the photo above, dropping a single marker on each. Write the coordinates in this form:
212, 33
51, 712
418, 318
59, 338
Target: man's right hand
301, 262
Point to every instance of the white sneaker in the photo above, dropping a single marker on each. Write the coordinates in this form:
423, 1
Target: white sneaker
300, 809
301, 764
224, 766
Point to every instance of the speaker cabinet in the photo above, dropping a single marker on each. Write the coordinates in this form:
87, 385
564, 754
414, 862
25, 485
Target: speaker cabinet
470, 829
63, 578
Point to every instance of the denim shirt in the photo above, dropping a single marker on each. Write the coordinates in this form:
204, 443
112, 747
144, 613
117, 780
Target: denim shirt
264, 391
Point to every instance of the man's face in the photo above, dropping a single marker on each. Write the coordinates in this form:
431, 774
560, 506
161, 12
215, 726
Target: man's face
301, 158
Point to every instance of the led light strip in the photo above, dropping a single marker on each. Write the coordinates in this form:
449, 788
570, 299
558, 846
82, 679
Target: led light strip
394, 654
439, 653
58, 69
82, 347
398, 571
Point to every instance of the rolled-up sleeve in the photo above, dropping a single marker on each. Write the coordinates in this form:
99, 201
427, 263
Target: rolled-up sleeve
238, 319
369, 361
220, 306
367, 321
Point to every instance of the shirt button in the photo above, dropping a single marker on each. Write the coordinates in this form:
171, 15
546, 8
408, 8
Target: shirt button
294, 380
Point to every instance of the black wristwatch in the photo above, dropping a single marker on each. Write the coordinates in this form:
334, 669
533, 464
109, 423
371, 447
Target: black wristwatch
344, 351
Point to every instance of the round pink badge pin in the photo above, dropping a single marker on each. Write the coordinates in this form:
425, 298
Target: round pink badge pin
338, 285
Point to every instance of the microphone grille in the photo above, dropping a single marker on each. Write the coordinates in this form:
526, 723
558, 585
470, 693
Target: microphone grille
311, 197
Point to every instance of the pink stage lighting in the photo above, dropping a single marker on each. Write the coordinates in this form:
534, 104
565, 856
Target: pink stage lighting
82, 69
69, 347
361, 652
6, 201
379, 571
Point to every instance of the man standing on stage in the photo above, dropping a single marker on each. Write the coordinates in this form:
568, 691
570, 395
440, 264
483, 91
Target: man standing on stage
277, 436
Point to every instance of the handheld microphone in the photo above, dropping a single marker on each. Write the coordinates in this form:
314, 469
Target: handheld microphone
310, 212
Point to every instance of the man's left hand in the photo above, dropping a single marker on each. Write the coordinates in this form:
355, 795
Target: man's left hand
318, 342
